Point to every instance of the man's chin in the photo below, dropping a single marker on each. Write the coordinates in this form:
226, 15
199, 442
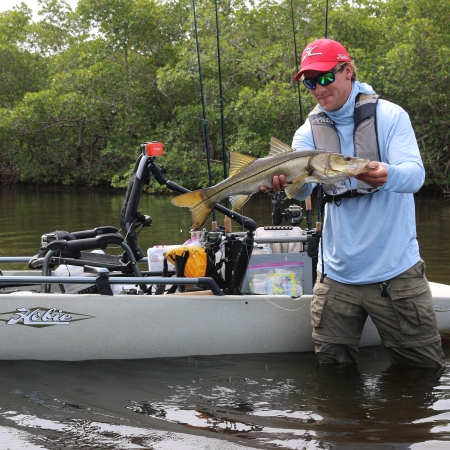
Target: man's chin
328, 107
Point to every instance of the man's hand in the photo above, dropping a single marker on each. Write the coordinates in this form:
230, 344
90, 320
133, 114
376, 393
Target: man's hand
375, 178
279, 182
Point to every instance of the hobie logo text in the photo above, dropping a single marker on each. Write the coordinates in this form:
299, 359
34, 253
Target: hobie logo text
38, 316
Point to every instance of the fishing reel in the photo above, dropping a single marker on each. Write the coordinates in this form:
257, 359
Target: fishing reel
292, 214
212, 240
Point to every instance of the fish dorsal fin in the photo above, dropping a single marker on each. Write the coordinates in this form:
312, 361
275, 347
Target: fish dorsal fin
239, 162
278, 148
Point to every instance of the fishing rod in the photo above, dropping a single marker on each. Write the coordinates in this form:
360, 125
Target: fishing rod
319, 223
296, 62
205, 126
320, 185
308, 200
225, 173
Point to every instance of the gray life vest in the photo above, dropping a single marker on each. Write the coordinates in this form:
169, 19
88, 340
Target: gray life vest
364, 138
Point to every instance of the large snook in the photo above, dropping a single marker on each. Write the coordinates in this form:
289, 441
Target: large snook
248, 174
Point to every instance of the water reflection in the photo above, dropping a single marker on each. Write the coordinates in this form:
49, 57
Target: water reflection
323, 407
225, 402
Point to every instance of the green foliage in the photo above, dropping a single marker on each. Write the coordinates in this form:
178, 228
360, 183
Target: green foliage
81, 89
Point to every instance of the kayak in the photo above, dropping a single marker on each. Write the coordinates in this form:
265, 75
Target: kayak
72, 327
104, 307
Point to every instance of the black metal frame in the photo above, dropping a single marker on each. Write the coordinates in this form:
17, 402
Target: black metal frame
246, 244
131, 219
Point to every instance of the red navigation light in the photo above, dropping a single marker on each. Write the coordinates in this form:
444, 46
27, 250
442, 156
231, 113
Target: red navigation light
154, 148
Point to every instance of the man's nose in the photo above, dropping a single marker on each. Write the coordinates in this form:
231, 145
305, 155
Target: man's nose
320, 89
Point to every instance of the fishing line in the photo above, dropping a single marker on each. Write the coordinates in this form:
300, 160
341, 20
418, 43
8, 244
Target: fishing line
205, 126
285, 309
278, 306
128, 232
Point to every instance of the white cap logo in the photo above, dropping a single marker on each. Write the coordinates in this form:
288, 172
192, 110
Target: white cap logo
308, 52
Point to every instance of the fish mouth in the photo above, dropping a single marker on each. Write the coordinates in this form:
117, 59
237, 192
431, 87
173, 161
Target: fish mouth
360, 167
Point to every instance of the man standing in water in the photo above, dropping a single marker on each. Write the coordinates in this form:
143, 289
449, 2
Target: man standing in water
370, 251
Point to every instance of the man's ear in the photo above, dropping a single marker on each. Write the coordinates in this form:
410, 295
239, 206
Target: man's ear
348, 70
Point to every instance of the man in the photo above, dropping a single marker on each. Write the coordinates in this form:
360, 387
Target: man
370, 251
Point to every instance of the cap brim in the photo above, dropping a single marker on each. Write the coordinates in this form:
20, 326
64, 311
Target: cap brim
322, 66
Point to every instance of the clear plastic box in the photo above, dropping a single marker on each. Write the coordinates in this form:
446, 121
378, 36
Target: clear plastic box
282, 278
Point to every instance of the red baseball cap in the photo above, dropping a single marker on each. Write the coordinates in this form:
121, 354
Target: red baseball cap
322, 55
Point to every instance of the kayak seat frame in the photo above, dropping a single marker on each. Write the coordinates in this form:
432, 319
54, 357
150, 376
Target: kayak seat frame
132, 222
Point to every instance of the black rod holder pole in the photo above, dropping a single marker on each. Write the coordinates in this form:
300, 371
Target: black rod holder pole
159, 175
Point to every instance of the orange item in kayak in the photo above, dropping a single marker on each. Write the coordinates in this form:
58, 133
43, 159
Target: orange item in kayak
197, 264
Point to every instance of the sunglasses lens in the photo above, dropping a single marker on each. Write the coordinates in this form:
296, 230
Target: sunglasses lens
325, 79
310, 84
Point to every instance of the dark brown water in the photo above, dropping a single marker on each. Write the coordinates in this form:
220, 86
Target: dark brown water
222, 402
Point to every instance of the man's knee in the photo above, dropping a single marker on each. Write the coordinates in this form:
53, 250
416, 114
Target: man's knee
329, 353
323, 358
430, 355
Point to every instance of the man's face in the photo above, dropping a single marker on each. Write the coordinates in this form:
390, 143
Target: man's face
333, 96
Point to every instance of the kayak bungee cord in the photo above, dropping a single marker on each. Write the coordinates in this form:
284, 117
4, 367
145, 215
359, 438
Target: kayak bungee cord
208, 158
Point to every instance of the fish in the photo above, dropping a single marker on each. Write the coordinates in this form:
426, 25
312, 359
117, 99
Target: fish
248, 174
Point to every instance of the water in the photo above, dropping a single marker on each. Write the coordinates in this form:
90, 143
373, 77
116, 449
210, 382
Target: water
220, 402
223, 402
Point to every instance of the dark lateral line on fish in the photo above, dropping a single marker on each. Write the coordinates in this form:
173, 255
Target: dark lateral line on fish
262, 171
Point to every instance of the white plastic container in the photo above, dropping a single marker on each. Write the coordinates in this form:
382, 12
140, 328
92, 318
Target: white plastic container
291, 247
156, 257
261, 250
67, 270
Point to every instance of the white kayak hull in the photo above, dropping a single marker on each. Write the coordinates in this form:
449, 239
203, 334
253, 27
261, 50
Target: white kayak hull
82, 327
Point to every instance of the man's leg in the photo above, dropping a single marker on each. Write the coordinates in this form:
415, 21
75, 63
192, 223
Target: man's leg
406, 319
338, 320
328, 353
430, 355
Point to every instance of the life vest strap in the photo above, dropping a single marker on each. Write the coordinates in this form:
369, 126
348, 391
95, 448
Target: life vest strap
337, 198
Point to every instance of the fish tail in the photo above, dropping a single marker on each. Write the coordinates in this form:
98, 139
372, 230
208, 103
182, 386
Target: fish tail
199, 204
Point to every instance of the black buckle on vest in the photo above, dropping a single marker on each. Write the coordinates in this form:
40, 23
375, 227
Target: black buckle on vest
338, 198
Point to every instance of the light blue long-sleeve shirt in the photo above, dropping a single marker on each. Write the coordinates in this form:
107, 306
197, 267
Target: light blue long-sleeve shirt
372, 238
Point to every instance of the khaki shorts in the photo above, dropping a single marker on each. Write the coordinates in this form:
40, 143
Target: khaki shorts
405, 319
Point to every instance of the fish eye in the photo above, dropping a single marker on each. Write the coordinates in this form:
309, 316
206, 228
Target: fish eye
347, 158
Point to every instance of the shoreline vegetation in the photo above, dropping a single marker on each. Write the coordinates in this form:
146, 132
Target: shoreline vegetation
81, 89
